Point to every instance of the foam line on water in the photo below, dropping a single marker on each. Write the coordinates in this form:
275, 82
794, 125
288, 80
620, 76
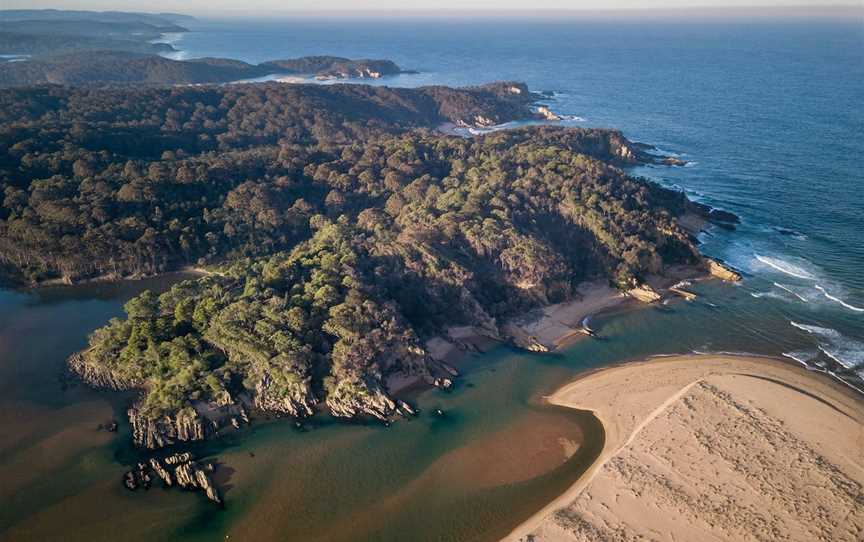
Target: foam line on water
791, 291
785, 267
817, 330
838, 300
847, 352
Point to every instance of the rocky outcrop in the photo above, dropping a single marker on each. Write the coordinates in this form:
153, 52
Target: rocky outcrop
96, 376
138, 477
297, 401
191, 475
644, 293
351, 399
689, 296
440, 382
547, 114
161, 472
672, 161
180, 470
721, 270
157, 432
718, 217
405, 409
521, 339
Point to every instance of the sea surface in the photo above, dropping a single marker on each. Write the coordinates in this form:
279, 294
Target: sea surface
768, 116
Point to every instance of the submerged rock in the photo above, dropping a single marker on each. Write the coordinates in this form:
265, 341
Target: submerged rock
547, 113
672, 161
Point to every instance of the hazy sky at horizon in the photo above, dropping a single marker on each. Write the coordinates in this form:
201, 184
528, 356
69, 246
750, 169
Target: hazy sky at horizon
288, 6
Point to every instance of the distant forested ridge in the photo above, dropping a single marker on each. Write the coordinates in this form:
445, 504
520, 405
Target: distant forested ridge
131, 66
51, 32
347, 230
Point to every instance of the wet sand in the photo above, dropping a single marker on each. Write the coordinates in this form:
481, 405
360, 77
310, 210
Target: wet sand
713, 447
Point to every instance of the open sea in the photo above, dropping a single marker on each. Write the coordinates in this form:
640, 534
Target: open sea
768, 115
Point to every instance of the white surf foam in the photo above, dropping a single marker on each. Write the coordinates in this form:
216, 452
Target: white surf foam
785, 267
838, 300
817, 330
845, 357
804, 358
772, 295
789, 289
847, 352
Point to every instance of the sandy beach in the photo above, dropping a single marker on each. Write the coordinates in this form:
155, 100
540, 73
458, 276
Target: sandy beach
556, 326
713, 447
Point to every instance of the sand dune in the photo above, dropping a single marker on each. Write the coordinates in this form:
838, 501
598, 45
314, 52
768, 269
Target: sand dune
713, 448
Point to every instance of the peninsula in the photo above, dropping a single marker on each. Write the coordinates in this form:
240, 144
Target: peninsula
339, 230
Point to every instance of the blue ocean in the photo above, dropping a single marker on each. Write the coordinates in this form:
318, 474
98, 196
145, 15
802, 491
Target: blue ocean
768, 116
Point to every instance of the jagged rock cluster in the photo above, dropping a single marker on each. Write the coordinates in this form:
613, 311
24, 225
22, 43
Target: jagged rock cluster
176, 470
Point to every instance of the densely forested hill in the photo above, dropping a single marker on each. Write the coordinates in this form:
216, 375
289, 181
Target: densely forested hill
136, 182
347, 231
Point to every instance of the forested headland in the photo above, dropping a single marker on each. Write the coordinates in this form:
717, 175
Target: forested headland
344, 230
130, 66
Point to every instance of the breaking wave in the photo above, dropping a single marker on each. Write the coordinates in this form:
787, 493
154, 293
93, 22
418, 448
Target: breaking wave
838, 300
791, 291
785, 267
847, 352
817, 330
804, 358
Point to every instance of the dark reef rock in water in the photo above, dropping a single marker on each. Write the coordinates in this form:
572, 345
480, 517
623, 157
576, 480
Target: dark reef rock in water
176, 470
719, 215
672, 161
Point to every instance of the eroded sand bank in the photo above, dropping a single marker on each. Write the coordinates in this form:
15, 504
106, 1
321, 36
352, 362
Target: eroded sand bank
713, 448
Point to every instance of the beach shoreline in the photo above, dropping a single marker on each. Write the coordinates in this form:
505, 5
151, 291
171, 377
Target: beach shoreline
637, 400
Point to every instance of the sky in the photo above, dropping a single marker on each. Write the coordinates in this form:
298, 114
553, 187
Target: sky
263, 7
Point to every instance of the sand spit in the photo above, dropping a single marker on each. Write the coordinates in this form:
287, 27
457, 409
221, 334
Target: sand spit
713, 447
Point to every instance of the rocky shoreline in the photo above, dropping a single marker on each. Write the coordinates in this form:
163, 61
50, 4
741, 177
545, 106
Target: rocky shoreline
201, 420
